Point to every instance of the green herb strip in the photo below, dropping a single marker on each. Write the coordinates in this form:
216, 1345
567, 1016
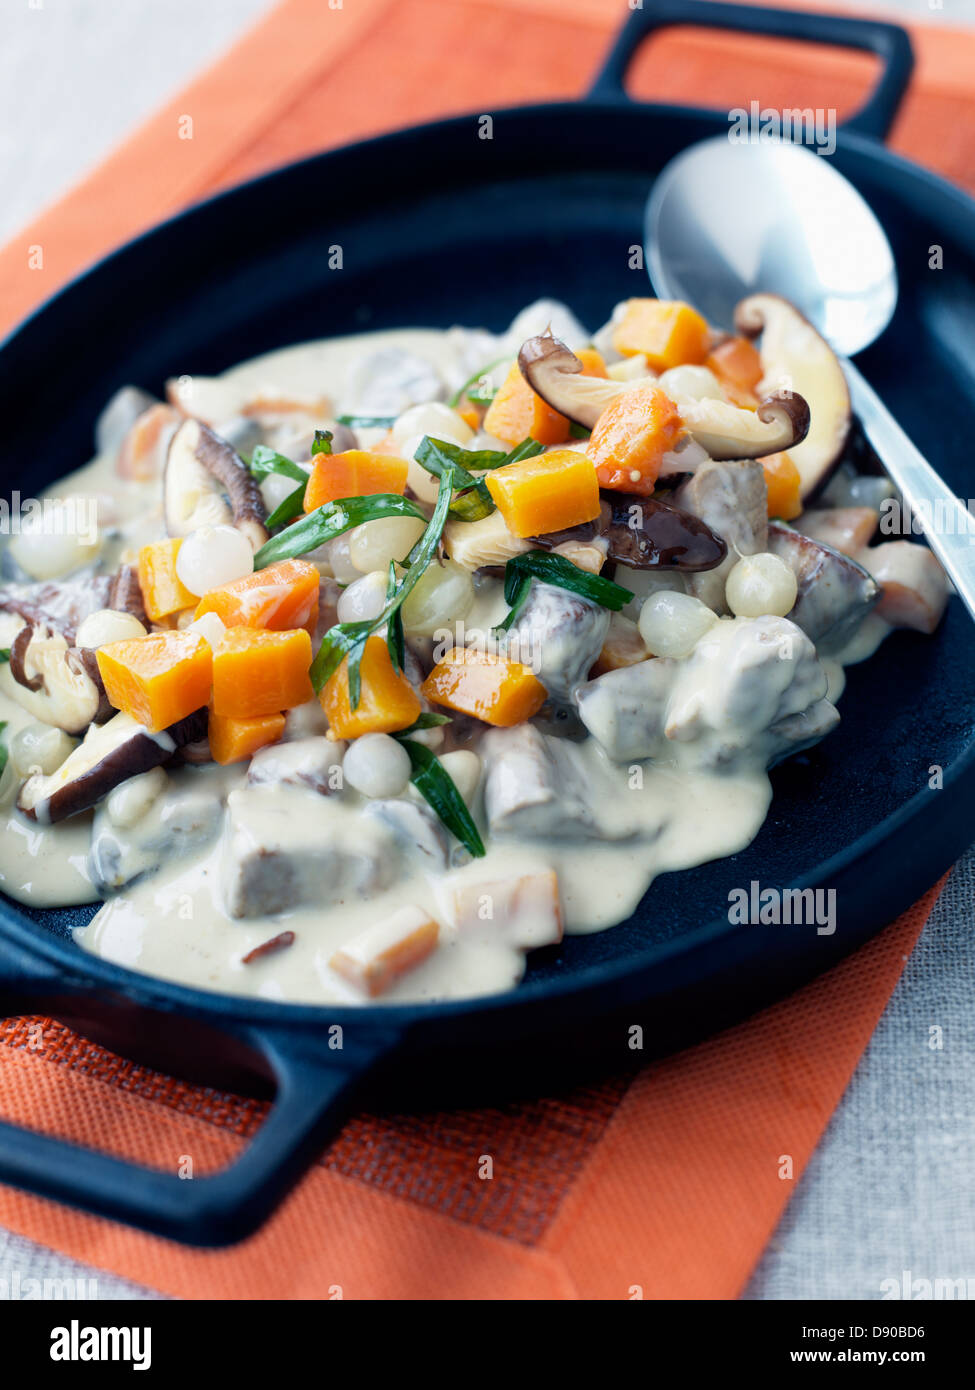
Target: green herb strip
473, 501
368, 422
330, 520
437, 788
465, 390
349, 639
556, 569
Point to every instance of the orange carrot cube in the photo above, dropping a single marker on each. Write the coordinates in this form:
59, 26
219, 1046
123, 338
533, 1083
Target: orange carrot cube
163, 592
488, 686
158, 679
630, 438
257, 671
355, 473
232, 740
387, 701
282, 596
667, 332
549, 492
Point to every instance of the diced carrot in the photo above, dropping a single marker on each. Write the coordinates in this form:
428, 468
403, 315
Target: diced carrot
158, 679
782, 483
387, 701
284, 595
469, 413
630, 438
162, 590
736, 362
378, 956
518, 413
355, 473
485, 685
231, 740
549, 492
667, 332
257, 672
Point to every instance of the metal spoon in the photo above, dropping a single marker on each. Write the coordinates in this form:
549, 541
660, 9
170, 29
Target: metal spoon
725, 220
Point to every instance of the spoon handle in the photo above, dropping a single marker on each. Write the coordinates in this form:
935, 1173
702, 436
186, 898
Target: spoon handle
949, 527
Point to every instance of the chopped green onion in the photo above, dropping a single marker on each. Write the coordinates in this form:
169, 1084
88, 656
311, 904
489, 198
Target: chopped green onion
322, 443
395, 636
557, 570
368, 422
292, 506
427, 720
349, 639
330, 520
265, 461
578, 431
436, 786
4, 655
472, 381
473, 501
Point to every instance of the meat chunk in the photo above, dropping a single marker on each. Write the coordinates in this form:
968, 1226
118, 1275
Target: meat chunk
536, 785
314, 762
732, 498
178, 823
846, 529
285, 846
558, 635
835, 593
752, 688
914, 590
418, 832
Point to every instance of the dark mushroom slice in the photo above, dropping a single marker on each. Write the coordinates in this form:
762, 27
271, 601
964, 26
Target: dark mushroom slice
645, 533
109, 754
125, 594
208, 484
834, 593
55, 683
553, 372
60, 607
722, 430
793, 351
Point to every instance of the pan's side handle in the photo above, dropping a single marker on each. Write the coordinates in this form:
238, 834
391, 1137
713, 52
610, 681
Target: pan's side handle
317, 1079
888, 41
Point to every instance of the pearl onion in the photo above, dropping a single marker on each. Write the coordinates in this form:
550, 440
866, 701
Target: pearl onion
340, 560
761, 584
275, 488
690, 384
212, 556
671, 624
60, 540
107, 625
376, 765
433, 418
365, 598
39, 748
130, 800
463, 766
443, 594
373, 544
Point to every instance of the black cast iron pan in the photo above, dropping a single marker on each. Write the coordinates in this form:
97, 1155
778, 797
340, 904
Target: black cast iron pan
437, 226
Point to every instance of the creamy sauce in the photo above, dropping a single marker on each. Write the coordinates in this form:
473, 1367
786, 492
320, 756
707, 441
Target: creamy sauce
175, 924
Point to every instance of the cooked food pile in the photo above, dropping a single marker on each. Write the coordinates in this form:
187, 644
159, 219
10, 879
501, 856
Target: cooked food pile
391, 658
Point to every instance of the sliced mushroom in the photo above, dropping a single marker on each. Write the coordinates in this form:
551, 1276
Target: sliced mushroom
62, 606
723, 430
208, 484
794, 353
125, 594
55, 683
835, 593
553, 372
646, 533
109, 754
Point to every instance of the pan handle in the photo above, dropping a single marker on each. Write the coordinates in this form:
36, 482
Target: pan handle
316, 1083
890, 43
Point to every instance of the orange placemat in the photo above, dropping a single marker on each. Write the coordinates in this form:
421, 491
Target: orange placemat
663, 1186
